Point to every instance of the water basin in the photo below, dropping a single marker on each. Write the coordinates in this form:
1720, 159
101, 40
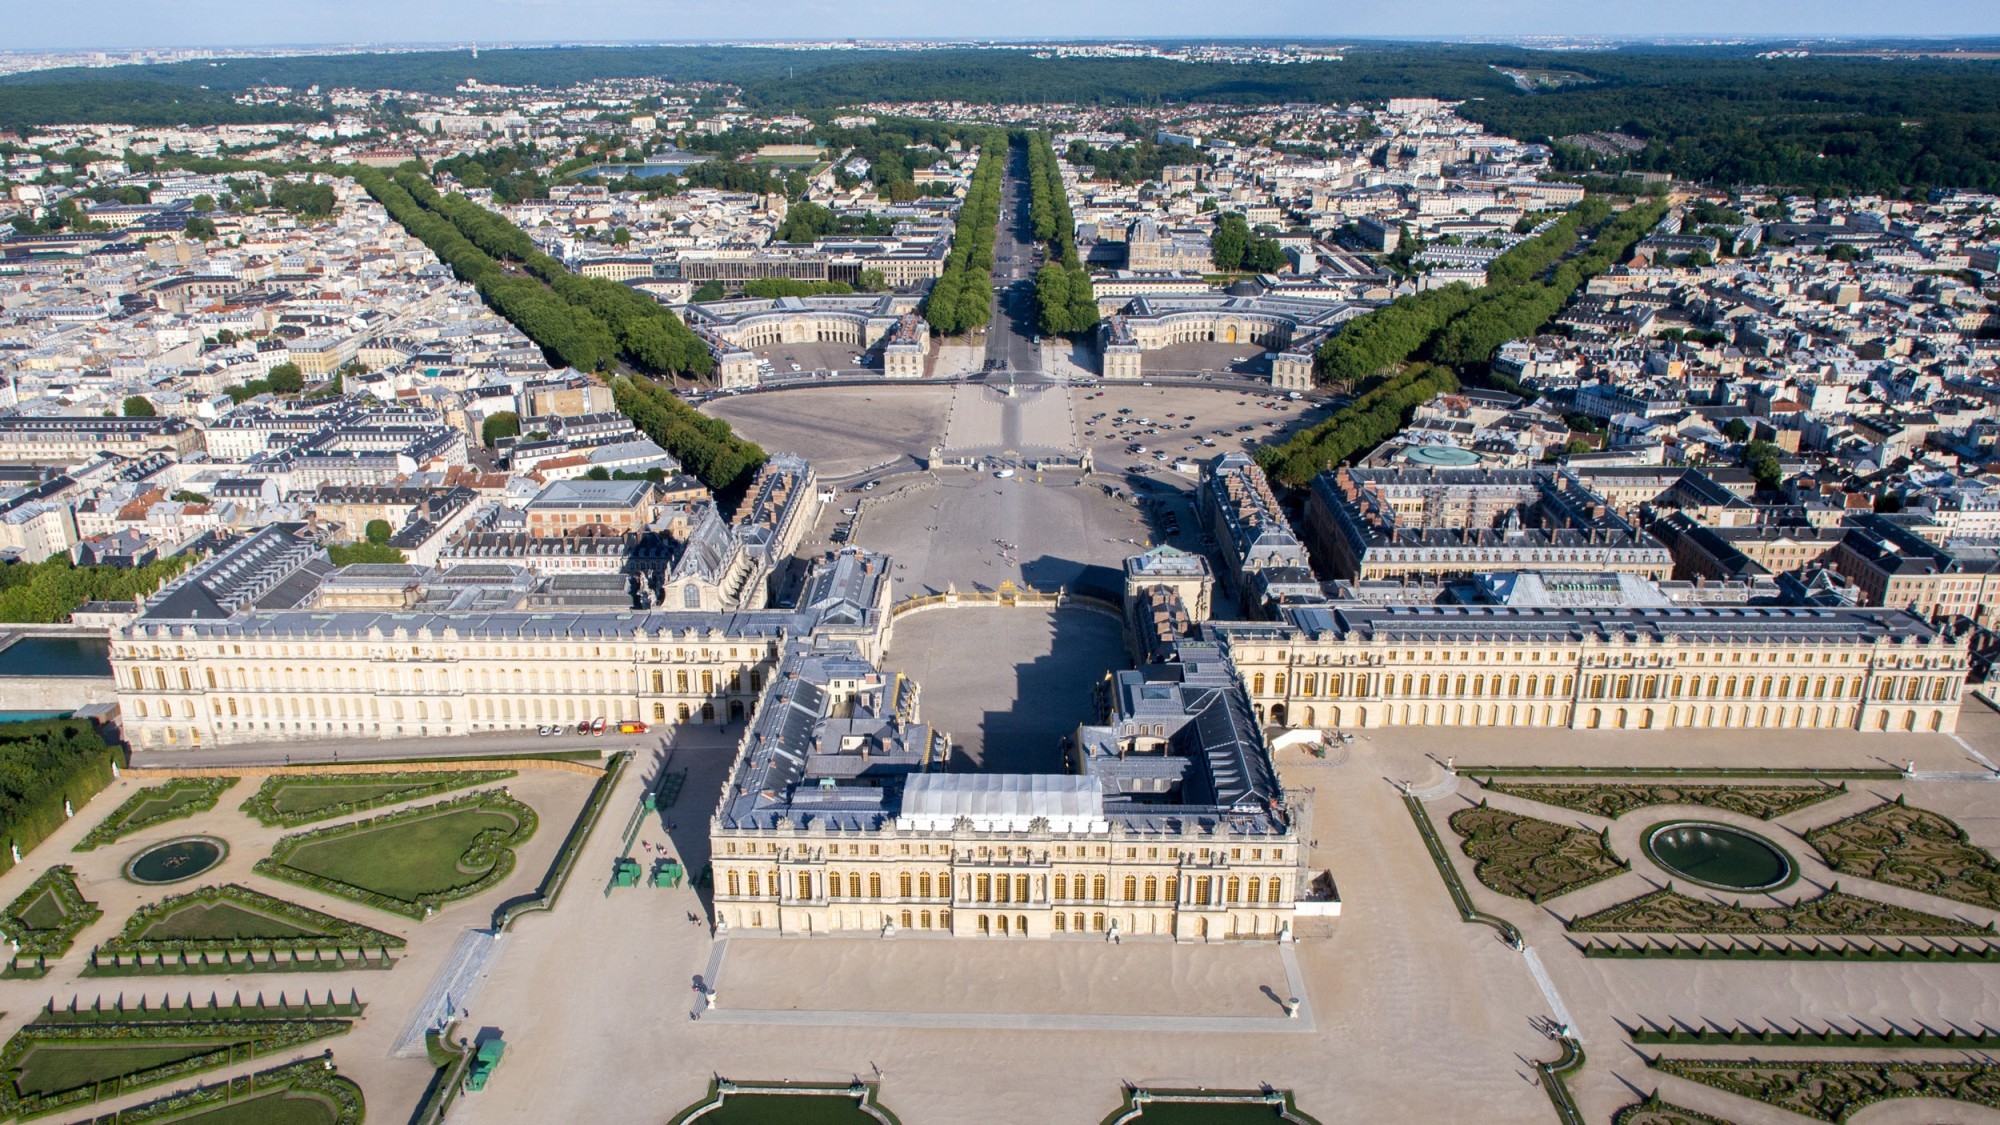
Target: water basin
1717, 855
176, 860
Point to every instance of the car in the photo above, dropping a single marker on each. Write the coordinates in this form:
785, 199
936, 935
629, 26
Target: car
583, 727
545, 731
597, 726
870, 486
1004, 474
849, 511
631, 726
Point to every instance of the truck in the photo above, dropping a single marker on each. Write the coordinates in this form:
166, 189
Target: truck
484, 1062
631, 726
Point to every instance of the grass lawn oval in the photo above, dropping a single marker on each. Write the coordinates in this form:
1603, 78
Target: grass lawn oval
410, 862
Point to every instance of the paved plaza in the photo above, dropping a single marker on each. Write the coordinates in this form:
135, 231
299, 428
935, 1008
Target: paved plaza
841, 430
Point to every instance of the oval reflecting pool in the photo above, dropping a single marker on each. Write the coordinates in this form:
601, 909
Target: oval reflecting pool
1717, 855
176, 860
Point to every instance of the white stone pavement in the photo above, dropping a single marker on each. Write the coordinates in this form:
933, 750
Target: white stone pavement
1302, 1021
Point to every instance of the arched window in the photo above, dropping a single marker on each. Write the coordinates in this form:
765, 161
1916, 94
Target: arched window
732, 882
1062, 921
1062, 886
691, 596
755, 890
1131, 888
1152, 888
924, 885
1097, 888
903, 883
1257, 684
875, 886
832, 886
1250, 892
1233, 889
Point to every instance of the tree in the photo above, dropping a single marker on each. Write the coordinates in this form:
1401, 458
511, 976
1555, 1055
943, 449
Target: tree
597, 472
204, 202
379, 531
1230, 242
708, 291
199, 228
621, 237
1761, 458
1736, 429
137, 407
504, 424
872, 281
286, 378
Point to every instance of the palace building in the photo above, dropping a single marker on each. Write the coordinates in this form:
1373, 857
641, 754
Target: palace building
842, 814
1591, 667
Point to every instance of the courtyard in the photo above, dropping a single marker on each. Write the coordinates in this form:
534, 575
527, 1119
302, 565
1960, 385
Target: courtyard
1009, 685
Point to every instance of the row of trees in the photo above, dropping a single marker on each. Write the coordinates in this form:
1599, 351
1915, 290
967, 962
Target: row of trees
586, 323
42, 764
705, 446
1525, 287
1063, 292
1357, 427
962, 297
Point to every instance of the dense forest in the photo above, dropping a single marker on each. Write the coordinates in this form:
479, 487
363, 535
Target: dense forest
1719, 114
42, 764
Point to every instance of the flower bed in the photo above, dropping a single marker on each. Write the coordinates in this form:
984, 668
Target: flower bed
1765, 802
291, 799
1914, 848
57, 1066
1529, 858
413, 861
218, 928
314, 1079
45, 919
1835, 1090
156, 804
1667, 911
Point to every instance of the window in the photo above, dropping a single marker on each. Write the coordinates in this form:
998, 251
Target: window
1131, 888
1062, 886
805, 884
1020, 888
875, 886
903, 884
1097, 888
732, 883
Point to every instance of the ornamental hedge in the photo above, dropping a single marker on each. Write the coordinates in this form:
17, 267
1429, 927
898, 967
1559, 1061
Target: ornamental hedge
267, 805
488, 858
45, 919
156, 804
320, 931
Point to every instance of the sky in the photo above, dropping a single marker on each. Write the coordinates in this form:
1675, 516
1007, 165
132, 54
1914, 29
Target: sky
171, 23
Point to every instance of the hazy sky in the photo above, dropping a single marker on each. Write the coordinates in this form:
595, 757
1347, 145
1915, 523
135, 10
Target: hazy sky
141, 23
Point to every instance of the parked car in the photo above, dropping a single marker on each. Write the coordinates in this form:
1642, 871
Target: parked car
631, 726
597, 726
545, 731
583, 726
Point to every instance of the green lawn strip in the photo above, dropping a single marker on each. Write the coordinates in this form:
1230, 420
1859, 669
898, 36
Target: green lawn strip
1922, 1038
1524, 857
1453, 886
412, 861
195, 931
43, 920
1912, 848
1836, 1090
156, 804
774, 1103
1207, 1107
293, 799
564, 863
1765, 802
1753, 949
1653, 1111
306, 1092
57, 1066
190, 1010
1667, 911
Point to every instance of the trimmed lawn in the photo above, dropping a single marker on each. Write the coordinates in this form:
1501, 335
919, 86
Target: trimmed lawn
403, 861
45, 913
280, 1108
221, 920
1187, 1113
786, 1109
51, 1068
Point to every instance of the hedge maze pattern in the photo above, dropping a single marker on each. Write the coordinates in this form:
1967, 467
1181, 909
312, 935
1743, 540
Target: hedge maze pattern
1529, 858
1667, 911
1765, 802
1835, 1090
1913, 848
